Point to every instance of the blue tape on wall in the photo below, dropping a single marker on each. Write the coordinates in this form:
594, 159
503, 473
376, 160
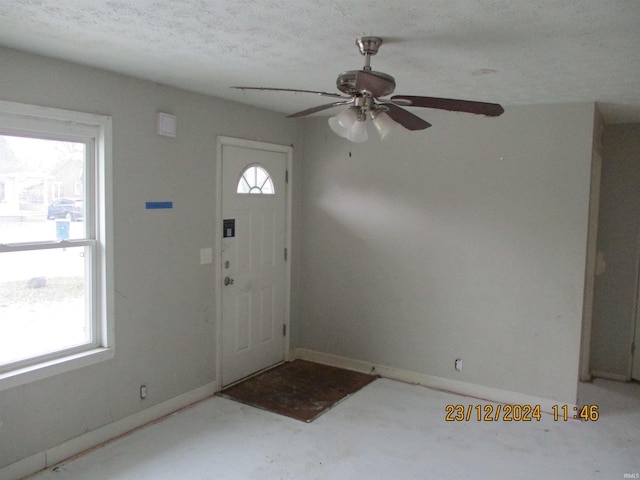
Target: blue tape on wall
158, 205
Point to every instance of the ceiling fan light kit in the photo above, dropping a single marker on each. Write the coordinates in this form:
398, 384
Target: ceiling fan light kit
364, 89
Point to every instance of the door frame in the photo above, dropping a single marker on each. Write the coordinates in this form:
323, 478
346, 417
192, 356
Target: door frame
584, 368
634, 357
222, 141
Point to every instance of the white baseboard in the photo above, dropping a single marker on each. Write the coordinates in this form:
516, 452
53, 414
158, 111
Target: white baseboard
610, 376
452, 386
77, 445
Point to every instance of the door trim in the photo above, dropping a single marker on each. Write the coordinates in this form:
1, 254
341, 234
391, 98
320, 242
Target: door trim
634, 357
584, 368
222, 141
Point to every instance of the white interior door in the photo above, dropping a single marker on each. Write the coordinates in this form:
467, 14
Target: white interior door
254, 203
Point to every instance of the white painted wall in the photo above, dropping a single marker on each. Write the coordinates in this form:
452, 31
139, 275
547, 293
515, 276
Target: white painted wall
618, 247
466, 240
164, 308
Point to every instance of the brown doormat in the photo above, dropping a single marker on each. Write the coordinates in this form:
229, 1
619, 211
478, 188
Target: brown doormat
300, 389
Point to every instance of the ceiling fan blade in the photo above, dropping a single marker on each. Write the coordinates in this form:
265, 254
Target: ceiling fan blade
319, 108
452, 105
407, 119
378, 84
324, 94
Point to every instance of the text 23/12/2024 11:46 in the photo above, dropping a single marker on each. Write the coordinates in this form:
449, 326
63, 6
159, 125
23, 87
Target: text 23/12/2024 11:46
518, 413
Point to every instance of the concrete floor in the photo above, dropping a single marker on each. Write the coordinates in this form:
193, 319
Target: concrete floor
388, 430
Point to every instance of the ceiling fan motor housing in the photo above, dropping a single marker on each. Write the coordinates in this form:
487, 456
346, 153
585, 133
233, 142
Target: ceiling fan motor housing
347, 82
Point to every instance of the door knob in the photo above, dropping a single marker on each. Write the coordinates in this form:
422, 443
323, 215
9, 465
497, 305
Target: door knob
228, 281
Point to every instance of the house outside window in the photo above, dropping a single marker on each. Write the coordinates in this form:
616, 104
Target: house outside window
56, 189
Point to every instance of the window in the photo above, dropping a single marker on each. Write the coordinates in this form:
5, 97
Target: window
255, 180
56, 189
55, 275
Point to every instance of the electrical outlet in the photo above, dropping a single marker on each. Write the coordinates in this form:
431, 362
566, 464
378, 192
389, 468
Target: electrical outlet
458, 364
143, 392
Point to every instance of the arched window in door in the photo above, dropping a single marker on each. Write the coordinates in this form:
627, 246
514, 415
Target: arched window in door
256, 180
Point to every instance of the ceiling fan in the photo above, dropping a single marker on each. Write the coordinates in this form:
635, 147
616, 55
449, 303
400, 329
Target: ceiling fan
364, 90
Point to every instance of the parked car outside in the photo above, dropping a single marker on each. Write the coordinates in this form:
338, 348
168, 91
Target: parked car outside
67, 208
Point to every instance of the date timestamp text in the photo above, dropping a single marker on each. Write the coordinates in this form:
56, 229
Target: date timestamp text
518, 413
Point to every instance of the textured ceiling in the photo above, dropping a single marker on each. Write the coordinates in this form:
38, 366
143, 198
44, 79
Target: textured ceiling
506, 51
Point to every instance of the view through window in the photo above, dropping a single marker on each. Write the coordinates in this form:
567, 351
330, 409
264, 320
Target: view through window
255, 180
48, 243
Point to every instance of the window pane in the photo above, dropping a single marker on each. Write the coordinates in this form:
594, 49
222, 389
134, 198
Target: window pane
42, 190
261, 176
43, 302
267, 187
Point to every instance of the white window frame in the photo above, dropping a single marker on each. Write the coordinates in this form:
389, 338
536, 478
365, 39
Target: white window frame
96, 131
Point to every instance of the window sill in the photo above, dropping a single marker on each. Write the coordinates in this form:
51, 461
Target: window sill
33, 373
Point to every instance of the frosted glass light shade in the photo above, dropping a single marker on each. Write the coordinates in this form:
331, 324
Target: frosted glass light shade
383, 123
358, 132
341, 124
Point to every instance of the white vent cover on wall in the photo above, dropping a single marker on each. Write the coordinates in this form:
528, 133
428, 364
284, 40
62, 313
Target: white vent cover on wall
167, 125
